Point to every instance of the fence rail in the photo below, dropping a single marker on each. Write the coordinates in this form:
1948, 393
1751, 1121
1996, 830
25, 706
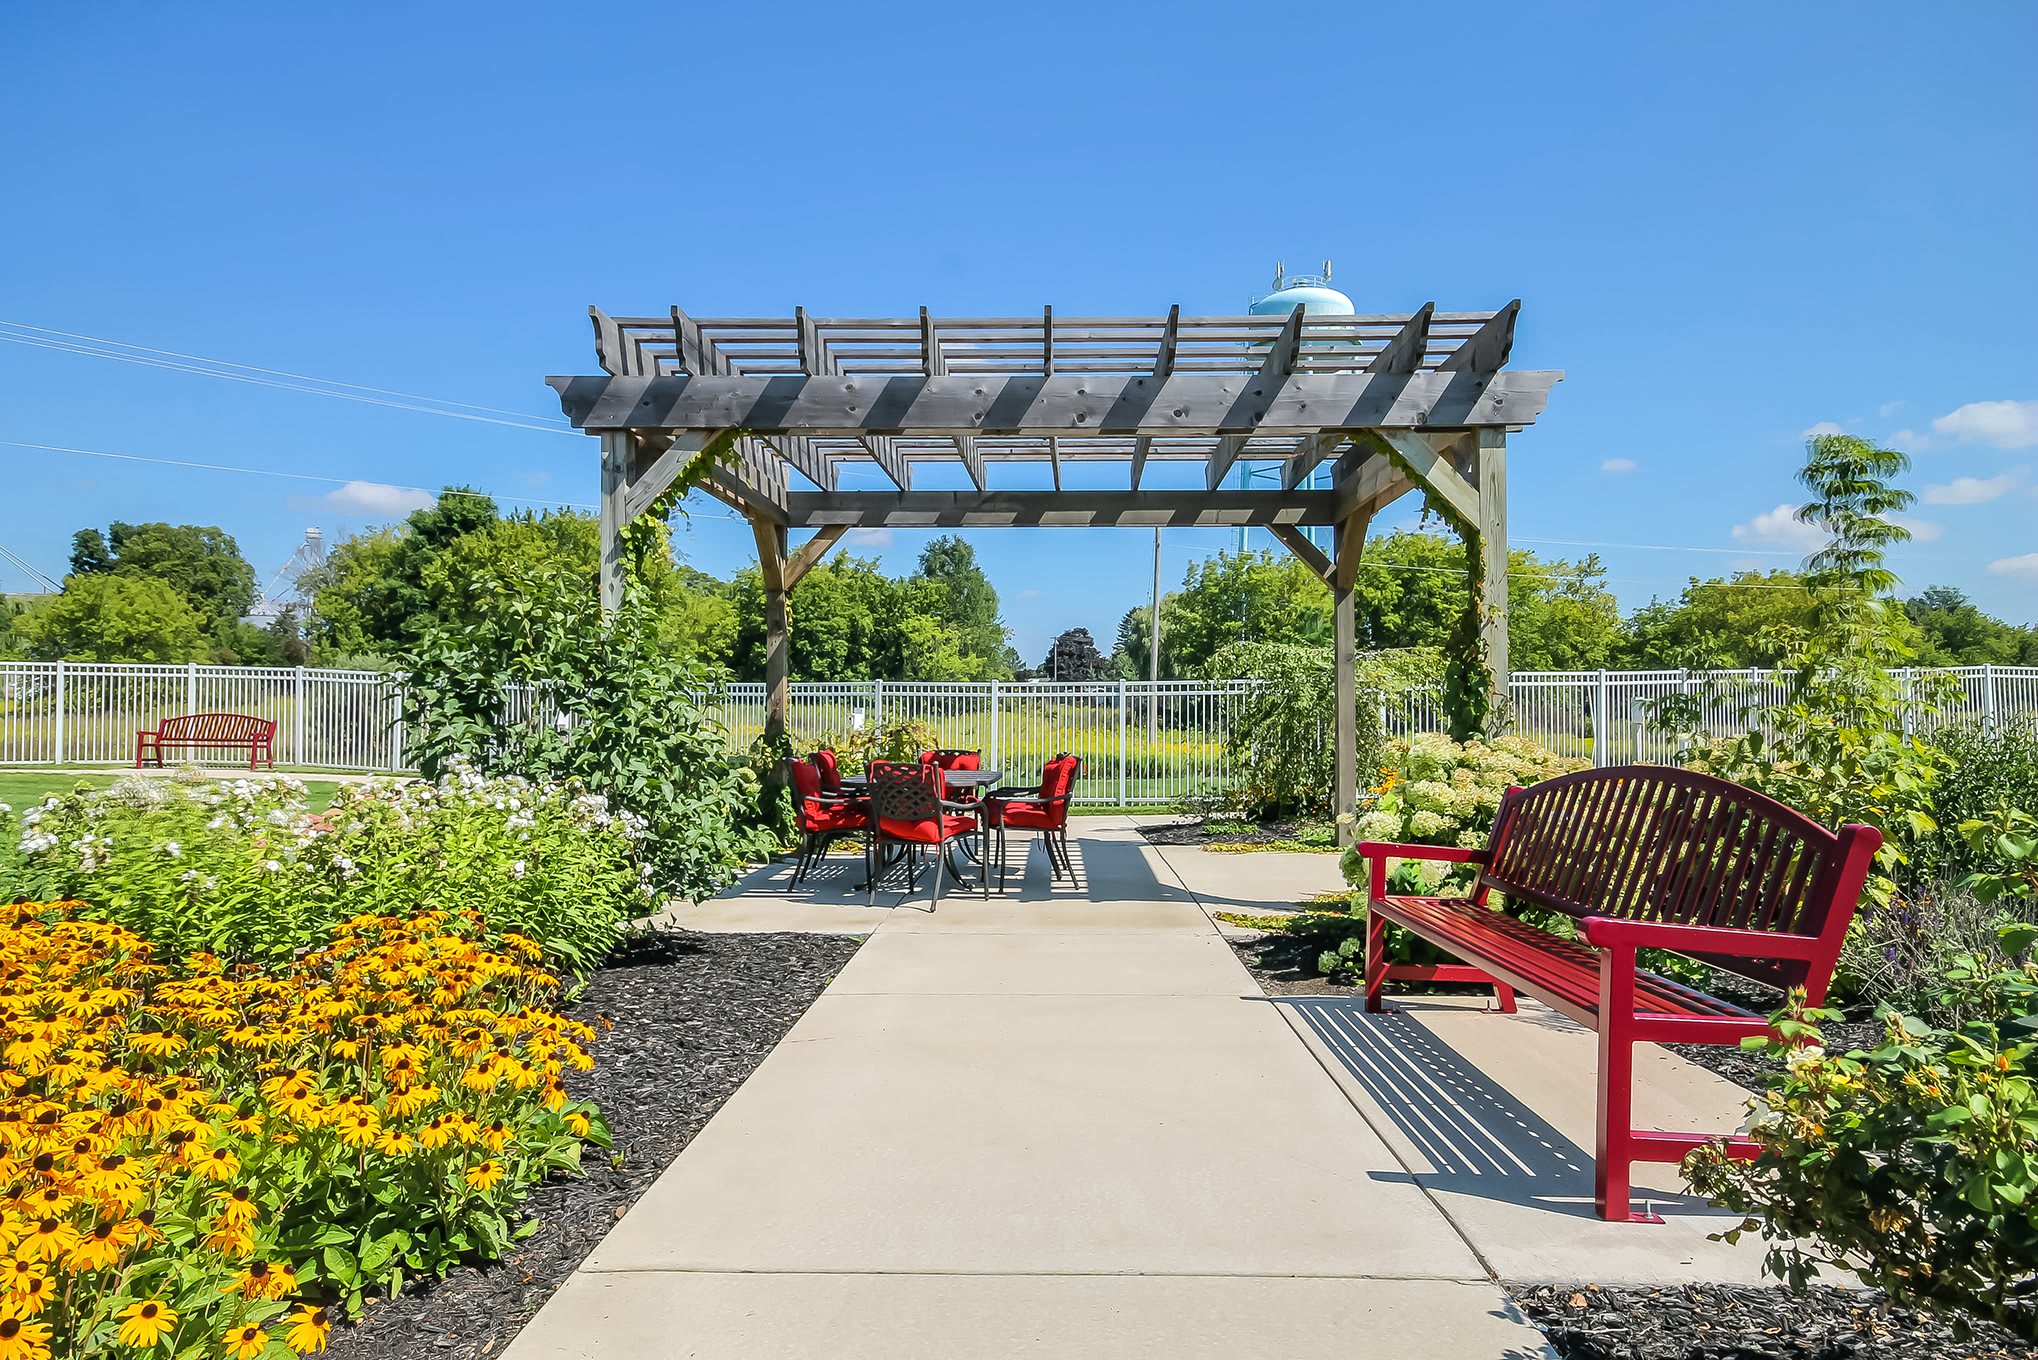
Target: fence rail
1142, 743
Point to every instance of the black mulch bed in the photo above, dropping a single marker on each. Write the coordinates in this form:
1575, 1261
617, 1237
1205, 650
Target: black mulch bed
1722, 1322
693, 1015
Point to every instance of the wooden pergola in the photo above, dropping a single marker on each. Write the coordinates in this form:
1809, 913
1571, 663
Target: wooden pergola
781, 405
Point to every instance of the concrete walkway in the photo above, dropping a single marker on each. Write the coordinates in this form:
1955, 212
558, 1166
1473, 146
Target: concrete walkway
1066, 1123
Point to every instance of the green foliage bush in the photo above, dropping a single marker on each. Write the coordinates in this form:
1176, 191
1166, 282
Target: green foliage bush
546, 685
1986, 769
242, 868
1915, 1163
1283, 736
1436, 791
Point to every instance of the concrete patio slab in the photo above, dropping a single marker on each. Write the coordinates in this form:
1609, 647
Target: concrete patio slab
1003, 1317
1018, 962
1016, 1134
1262, 880
1493, 1116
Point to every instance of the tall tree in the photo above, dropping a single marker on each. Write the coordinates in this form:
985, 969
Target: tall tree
113, 616
1952, 632
1074, 656
952, 630
200, 562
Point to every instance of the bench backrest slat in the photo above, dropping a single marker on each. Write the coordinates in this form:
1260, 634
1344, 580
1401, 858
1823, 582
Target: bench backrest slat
215, 727
1655, 843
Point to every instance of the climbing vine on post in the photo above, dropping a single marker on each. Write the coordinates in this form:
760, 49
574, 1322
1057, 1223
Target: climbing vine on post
1468, 680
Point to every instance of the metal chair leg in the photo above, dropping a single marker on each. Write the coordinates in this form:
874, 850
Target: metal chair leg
940, 857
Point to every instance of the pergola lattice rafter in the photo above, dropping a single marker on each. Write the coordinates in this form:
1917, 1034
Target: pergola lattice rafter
1392, 403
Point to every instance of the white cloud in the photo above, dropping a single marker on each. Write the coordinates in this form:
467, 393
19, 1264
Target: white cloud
1889, 408
1922, 530
379, 498
1782, 527
1810, 432
1035, 594
1974, 490
1617, 465
1906, 441
882, 538
2005, 424
2024, 565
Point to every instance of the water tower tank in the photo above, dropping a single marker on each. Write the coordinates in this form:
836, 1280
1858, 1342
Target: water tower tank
1313, 291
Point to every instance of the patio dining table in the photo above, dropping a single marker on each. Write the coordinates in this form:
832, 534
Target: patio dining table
966, 782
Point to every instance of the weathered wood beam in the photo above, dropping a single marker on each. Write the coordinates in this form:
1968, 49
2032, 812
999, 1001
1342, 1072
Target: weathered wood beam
1428, 460
1070, 404
1141, 447
1287, 350
1486, 349
755, 483
1490, 467
1297, 542
648, 480
1075, 507
1164, 359
1054, 459
771, 564
1315, 448
615, 484
932, 362
1405, 351
1222, 458
810, 553
1344, 571
972, 461
798, 450
885, 453
1368, 482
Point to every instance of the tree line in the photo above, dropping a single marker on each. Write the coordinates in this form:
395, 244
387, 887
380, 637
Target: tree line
160, 592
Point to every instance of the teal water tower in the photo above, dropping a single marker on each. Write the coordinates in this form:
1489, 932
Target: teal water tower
1318, 298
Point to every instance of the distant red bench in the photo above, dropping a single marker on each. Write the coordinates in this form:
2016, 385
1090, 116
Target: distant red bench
1641, 856
208, 732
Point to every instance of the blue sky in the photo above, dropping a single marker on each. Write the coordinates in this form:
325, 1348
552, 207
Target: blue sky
1729, 224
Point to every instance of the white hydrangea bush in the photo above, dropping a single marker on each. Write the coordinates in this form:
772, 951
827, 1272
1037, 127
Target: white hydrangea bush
1435, 791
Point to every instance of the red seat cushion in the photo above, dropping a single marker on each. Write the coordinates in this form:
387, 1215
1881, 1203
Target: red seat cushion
831, 770
1034, 816
818, 817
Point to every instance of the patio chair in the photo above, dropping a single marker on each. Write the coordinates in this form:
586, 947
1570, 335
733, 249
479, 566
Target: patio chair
824, 818
953, 760
909, 809
831, 771
1045, 809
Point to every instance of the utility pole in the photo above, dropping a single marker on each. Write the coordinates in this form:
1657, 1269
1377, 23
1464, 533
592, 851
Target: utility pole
1153, 651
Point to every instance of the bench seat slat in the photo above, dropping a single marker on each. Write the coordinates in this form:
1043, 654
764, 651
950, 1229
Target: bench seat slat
1538, 962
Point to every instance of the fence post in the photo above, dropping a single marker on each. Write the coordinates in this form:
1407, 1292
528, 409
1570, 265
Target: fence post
992, 741
1988, 699
297, 720
877, 703
191, 688
1124, 718
57, 757
1601, 749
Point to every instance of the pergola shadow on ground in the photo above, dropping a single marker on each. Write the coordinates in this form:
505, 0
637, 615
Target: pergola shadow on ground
767, 413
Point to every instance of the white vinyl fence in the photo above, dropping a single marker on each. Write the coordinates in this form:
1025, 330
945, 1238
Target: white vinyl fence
1142, 744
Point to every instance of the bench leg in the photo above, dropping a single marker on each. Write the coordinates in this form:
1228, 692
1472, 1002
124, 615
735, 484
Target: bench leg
1503, 996
1614, 1151
1376, 961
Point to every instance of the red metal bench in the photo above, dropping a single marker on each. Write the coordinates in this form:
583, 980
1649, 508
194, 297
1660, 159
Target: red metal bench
1642, 856
208, 732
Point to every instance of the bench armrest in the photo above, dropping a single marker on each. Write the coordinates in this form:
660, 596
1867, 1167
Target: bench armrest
1604, 932
1394, 850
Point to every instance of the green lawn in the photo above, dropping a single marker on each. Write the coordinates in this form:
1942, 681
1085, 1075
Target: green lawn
21, 787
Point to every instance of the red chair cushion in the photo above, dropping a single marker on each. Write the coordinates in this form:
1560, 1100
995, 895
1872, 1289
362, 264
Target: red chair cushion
1057, 776
819, 818
806, 780
831, 770
968, 760
1034, 816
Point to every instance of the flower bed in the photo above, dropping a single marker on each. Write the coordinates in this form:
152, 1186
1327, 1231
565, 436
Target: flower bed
210, 1159
242, 868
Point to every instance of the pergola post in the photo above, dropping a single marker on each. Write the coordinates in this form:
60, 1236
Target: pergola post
1490, 467
615, 483
771, 562
1350, 547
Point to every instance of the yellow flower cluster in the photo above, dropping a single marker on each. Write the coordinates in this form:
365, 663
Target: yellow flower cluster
168, 1135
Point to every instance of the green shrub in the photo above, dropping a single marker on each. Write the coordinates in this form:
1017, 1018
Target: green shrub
1914, 1164
1283, 737
603, 701
1441, 792
1987, 768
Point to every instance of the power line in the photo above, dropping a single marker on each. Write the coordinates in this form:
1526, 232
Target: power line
66, 347
1661, 547
273, 372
